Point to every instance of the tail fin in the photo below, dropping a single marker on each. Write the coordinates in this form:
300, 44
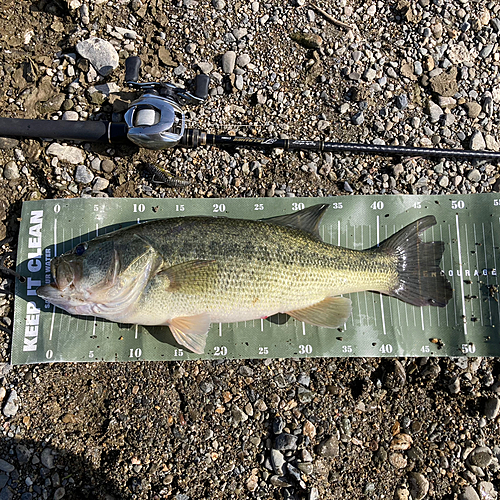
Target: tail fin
421, 281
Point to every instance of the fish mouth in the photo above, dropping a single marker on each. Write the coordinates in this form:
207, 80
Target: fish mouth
63, 274
62, 292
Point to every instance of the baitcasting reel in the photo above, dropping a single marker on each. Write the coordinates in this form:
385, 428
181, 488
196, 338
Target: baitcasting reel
156, 120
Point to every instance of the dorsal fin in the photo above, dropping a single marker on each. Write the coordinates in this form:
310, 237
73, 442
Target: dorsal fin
306, 220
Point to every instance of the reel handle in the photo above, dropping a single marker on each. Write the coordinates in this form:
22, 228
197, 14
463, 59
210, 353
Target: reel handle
132, 67
201, 83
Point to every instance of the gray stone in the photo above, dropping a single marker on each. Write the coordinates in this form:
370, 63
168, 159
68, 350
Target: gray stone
218, 4
11, 405
434, 111
480, 457
100, 184
6, 466
68, 154
477, 141
473, 109
95, 164
8, 143
83, 174
328, 447
285, 441
486, 50
347, 187
6, 494
246, 371
240, 33
469, 493
47, 458
239, 82
179, 70
107, 165
419, 485
454, 385
205, 67
70, 116
278, 481
11, 171
445, 83
370, 74
101, 54
444, 181
358, 118
191, 48
108, 88
401, 101
228, 61
313, 493
491, 408
23, 454
278, 462
487, 491
206, 386
474, 175
238, 415
59, 493
243, 60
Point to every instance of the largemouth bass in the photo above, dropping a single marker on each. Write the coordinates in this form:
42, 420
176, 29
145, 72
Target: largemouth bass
189, 272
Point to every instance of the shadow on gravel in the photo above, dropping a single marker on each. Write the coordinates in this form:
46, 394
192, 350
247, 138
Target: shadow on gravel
31, 469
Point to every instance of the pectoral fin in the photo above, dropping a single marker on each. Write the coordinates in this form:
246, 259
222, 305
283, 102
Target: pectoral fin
331, 312
191, 331
189, 276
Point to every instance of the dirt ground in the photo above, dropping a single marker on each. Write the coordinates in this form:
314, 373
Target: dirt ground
355, 428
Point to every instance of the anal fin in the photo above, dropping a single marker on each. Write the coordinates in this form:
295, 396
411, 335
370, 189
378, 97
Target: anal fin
191, 331
331, 312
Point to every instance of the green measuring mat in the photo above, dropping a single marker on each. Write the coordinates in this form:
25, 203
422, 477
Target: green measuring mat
379, 325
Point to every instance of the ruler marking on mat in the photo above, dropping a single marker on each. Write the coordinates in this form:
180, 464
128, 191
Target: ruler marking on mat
462, 293
479, 285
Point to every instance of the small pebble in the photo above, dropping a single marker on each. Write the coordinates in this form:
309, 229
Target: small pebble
11, 406
47, 458
469, 493
11, 171
285, 441
228, 62
419, 485
83, 175
328, 447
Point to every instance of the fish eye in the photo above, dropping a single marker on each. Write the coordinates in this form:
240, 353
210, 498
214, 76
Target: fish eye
80, 249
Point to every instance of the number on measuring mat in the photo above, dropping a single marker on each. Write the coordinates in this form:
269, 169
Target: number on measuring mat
377, 205
218, 207
305, 349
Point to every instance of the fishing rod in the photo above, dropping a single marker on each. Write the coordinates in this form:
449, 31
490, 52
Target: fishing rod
156, 120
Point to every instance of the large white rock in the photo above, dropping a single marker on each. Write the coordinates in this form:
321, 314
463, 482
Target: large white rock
101, 54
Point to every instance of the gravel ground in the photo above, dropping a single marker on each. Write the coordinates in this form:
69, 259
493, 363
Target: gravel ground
415, 73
